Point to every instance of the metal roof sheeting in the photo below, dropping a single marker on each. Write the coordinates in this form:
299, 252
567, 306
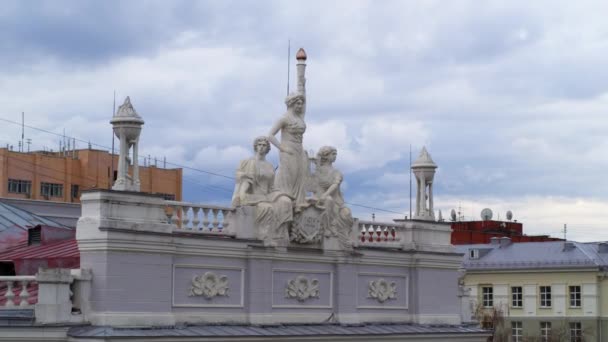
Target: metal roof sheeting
278, 330
535, 255
58, 249
11, 216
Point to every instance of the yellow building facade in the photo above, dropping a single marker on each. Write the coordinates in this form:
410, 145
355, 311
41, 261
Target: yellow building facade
547, 291
61, 177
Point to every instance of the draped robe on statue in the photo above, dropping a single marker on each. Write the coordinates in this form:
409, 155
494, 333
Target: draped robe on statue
293, 167
339, 217
273, 207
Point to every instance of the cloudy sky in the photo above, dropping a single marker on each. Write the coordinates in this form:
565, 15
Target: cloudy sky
510, 97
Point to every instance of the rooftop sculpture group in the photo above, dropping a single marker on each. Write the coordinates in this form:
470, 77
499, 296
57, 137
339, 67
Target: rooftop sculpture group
283, 212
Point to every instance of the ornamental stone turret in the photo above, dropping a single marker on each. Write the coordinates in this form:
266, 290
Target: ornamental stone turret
127, 127
424, 170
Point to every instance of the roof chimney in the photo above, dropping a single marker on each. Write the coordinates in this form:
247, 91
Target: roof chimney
504, 241
568, 246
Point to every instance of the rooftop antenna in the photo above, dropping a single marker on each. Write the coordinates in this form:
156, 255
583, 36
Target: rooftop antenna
410, 181
288, 57
373, 217
22, 129
460, 216
112, 155
565, 231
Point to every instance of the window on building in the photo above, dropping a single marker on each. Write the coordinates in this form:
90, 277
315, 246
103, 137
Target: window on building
168, 197
516, 332
576, 332
75, 191
18, 186
516, 297
545, 296
575, 296
487, 296
545, 331
474, 254
51, 189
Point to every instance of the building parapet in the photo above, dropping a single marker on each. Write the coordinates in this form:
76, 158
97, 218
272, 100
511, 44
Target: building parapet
204, 264
56, 295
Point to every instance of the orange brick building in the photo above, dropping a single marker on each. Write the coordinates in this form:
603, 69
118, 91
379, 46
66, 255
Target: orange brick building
61, 177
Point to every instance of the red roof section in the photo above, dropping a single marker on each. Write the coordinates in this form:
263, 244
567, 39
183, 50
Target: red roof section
58, 249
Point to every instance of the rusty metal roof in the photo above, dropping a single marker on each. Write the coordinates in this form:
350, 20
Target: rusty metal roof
58, 249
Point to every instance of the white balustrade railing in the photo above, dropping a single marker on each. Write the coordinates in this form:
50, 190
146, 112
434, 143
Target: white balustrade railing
201, 218
372, 233
17, 291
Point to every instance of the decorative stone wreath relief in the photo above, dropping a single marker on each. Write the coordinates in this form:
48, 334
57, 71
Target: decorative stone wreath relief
209, 285
381, 290
301, 288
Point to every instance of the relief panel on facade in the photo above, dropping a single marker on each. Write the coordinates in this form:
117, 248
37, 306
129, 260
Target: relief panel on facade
207, 286
382, 290
301, 289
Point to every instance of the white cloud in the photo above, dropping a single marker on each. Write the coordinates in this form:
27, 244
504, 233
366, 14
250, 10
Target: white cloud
372, 143
221, 158
506, 93
540, 215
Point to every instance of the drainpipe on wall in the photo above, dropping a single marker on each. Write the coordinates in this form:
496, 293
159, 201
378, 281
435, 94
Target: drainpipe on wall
599, 313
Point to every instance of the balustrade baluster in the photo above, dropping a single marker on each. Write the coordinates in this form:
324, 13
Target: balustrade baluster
225, 220
216, 221
205, 219
24, 295
370, 232
363, 233
378, 233
176, 213
169, 212
9, 294
195, 219
185, 218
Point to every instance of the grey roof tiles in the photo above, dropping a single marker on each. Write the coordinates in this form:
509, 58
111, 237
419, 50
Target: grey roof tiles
535, 255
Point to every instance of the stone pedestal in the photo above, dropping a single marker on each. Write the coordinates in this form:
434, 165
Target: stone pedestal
54, 304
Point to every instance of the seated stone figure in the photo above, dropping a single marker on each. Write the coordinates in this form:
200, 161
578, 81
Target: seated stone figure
326, 187
255, 187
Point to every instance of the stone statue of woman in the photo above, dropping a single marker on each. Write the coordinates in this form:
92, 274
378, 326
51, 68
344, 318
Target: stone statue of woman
255, 187
327, 181
293, 161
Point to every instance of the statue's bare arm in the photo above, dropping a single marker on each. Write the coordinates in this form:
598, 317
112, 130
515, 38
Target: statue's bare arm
273, 132
243, 190
330, 191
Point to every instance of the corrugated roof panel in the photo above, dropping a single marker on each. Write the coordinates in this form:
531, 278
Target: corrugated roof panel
11, 216
284, 330
59, 249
